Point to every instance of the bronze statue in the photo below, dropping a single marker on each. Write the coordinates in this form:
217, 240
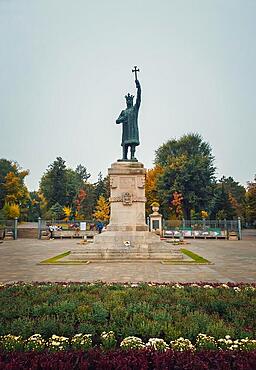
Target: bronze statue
129, 119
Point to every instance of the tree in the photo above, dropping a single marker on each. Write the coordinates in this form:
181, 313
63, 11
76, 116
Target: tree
236, 193
81, 196
221, 206
176, 205
82, 172
16, 191
187, 169
73, 184
67, 211
57, 212
34, 206
12, 187
10, 210
102, 209
251, 202
53, 183
6, 167
102, 187
86, 202
151, 187
14, 211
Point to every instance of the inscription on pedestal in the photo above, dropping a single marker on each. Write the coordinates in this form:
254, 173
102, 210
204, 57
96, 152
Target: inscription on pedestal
127, 182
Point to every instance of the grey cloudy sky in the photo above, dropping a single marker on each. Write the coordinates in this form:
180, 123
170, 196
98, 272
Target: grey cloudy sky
65, 66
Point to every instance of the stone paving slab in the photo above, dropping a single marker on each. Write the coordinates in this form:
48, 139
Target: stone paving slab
234, 261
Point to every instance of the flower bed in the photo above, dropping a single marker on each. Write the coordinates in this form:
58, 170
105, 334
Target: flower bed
166, 311
128, 360
127, 326
36, 342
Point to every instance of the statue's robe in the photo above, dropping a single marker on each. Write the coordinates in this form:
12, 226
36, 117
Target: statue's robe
129, 119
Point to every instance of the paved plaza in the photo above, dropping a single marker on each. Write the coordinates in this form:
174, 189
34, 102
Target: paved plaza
233, 261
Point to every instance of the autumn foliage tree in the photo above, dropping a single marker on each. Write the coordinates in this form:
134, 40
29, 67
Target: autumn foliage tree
176, 205
13, 191
102, 210
151, 191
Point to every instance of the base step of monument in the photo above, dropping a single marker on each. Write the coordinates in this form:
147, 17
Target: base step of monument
114, 254
124, 246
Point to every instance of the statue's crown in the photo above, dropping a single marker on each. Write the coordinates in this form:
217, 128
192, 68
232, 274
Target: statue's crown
129, 98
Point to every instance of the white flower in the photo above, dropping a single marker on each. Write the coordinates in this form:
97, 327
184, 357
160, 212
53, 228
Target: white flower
157, 344
225, 286
132, 342
236, 289
177, 285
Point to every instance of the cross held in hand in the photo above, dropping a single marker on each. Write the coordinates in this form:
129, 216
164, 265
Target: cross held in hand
135, 70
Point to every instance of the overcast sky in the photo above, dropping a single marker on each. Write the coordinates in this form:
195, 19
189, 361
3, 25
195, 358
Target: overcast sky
65, 66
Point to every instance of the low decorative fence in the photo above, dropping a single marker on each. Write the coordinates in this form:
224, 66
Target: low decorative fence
202, 228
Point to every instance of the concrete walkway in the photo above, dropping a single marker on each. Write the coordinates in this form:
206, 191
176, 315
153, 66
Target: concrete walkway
234, 261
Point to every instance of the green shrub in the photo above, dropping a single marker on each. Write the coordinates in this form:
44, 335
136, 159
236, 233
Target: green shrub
168, 312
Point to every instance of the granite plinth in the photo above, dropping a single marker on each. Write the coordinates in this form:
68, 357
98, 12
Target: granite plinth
127, 236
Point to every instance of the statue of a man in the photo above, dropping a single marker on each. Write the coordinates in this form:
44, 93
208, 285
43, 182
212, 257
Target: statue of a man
129, 119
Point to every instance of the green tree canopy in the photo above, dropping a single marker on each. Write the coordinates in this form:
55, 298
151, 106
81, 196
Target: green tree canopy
53, 183
236, 193
251, 202
221, 206
187, 169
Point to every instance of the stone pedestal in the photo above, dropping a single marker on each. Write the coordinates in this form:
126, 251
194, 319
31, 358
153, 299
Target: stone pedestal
127, 197
127, 236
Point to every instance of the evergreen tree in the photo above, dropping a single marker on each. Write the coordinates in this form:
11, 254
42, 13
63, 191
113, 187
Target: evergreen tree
57, 212
53, 184
221, 206
82, 172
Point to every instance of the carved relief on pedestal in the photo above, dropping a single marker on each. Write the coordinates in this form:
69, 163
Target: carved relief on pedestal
127, 199
113, 182
141, 182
